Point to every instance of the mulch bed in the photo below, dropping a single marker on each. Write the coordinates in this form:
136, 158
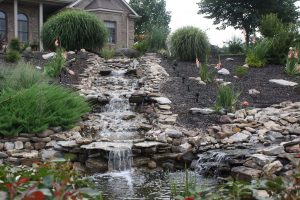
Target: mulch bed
257, 79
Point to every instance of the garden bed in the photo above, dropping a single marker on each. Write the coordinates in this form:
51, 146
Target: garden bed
258, 79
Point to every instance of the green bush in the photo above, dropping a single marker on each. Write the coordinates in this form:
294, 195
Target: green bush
107, 53
75, 29
227, 99
283, 36
157, 39
12, 56
235, 45
56, 64
39, 107
15, 44
141, 46
21, 76
256, 55
241, 71
188, 43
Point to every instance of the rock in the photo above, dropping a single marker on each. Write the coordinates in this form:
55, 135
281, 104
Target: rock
246, 173
68, 144
49, 154
229, 59
168, 166
162, 100
96, 165
3, 155
48, 55
92, 98
1, 146
9, 146
30, 154
164, 107
39, 139
273, 150
291, 119
294, 130
103, 99
173, 133
283, 82
260, 194
46, 133
28, 146
137, 98
225, 119
152, 164
262, 160
39, 145
19, 145
185, 147
240, 114
131, 53
272, 168
270, 125
230, 129
147, 144
223, 71
107, 146
128, 116
246, 65
239, 137
78, 167
274, 136
131, 72
105, 71
140, 161
254, 92
204, 111
188, 157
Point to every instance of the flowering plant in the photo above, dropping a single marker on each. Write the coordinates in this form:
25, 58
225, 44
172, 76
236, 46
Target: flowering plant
292, 67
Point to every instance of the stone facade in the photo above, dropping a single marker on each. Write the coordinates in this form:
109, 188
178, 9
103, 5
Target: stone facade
116, 11
31, 11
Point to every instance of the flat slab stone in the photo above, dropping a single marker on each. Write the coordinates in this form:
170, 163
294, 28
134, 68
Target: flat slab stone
70, 144
147, 144
162, 100
204, 111
283, 82
31, 154
246, 173
107, 146
223, 71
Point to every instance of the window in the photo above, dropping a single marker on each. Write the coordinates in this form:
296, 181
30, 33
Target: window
111, 27
23, 27
3, 26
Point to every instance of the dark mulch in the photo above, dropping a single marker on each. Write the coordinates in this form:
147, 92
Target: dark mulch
65, 79
257, 79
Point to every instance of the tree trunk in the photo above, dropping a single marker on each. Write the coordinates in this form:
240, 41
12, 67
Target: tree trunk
247, 38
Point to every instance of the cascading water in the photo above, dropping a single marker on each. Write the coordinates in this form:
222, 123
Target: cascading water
120, 160
210, 163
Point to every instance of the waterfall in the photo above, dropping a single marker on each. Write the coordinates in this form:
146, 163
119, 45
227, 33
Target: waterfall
211, 162
120, 160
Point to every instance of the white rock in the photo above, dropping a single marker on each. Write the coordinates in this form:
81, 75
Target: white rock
38, 67
254, 92
229, 59
272, 168
226, 83
48, 55
274, 150
223, 71
246, 65
71, 52
239, 137
204, 111
262, 160
283, 82
162, 100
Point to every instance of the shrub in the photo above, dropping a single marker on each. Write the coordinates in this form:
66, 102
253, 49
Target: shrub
45, 181
107, 53
39, 107
256, 55
157, 39
75, 29
56, 64
15, 45
235, 45
21, 76
241, 71
12, 56
283, 36
141, 46
187, 43
291, 67
226, 98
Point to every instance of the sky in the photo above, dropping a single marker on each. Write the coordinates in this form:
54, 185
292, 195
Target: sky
184, 13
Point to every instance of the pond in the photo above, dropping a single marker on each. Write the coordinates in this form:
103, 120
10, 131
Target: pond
142, 184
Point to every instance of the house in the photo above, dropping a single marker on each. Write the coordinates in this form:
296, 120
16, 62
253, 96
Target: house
24, 19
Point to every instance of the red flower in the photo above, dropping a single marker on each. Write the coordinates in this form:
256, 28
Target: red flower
22, 180
36, 195
218, 66
245, 103
189, 198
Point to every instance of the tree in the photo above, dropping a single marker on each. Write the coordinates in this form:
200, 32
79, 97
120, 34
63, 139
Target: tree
153, 14
247, 14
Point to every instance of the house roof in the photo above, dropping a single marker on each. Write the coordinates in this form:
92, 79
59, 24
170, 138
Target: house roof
96, 4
